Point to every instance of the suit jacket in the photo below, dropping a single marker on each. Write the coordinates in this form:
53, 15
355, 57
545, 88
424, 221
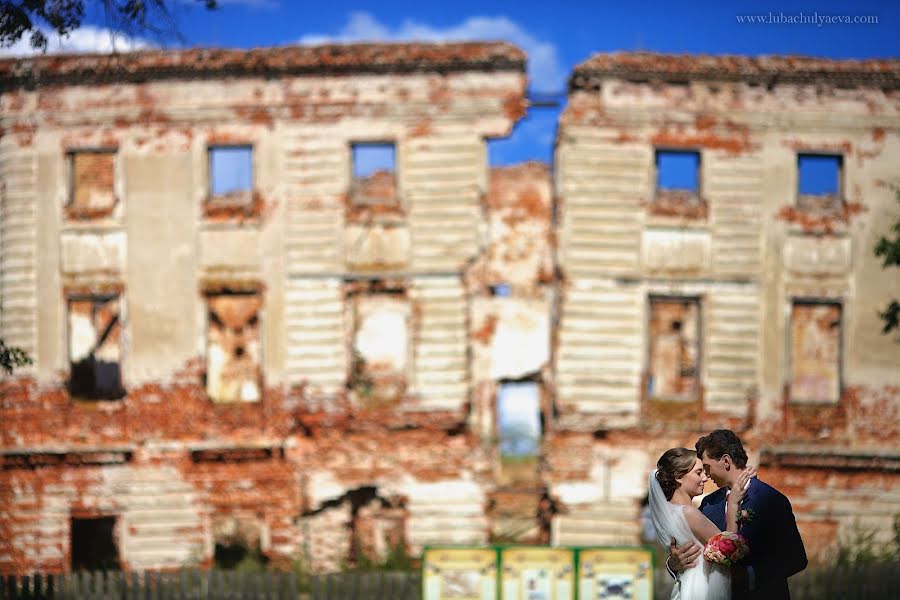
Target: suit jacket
776, 550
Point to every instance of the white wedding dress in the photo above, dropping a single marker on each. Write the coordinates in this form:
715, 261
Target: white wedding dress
704, 581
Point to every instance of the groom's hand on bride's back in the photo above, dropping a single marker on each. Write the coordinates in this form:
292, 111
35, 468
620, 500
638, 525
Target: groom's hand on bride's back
683, 557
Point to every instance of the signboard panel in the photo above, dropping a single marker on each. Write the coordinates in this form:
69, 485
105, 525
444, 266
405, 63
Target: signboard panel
614, 573
459, 574
537, 573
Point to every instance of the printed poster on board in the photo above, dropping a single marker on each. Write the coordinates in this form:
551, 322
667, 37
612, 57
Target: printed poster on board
537, 573
459, 574
615, 573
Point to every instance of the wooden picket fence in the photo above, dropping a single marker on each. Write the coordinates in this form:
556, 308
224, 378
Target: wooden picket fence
851, 582
375, 585
194, 584
185, 584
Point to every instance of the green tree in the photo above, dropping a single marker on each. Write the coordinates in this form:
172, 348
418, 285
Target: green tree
888, 247
34, 18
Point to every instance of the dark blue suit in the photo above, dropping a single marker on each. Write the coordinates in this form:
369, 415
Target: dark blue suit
776, 550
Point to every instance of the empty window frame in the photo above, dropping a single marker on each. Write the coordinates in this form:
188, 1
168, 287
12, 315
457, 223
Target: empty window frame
91, 183
377, 524
815, 348
238, 541
500, 290
374, 173
93, 544
819, 182
519, 419
677, 191
678, 170
381, 346
233, 349
674, 348
231, 176
95, 347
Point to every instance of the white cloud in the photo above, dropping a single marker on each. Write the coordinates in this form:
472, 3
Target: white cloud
544, 67
87, 39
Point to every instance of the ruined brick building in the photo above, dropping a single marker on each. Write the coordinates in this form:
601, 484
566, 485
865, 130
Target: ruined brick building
278, 298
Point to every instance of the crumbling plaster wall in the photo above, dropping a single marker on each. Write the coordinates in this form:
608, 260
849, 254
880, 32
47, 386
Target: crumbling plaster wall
511, 294
161, 184
439, 126
159, 523
746, 261
511, 290
441, 174
163, 251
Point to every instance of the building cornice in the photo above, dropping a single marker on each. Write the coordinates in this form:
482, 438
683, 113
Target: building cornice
761, 70
206, 63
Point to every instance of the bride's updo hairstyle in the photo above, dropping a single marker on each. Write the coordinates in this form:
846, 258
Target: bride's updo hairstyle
672, 465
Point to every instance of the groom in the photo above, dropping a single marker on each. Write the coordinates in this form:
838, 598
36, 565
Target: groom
766, 521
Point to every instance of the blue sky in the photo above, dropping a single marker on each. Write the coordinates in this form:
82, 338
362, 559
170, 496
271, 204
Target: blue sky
556, 35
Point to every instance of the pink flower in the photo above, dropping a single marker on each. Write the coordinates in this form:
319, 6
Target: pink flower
745, 516
727, 547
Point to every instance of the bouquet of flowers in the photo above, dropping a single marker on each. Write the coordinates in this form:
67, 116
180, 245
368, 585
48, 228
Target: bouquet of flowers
726, 548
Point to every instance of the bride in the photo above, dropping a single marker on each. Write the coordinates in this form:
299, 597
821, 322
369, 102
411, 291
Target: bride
678, 477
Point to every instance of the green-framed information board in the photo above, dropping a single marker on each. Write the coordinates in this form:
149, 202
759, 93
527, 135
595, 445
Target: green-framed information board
537, 573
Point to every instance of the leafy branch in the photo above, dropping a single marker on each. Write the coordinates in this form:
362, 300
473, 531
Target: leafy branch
12, 357
33, 19
888, 248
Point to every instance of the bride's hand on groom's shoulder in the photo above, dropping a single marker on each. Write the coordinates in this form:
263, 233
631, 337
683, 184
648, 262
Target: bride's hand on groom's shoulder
751, 472
739, 487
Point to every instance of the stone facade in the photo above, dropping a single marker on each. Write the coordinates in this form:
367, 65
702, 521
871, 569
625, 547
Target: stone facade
278, 299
